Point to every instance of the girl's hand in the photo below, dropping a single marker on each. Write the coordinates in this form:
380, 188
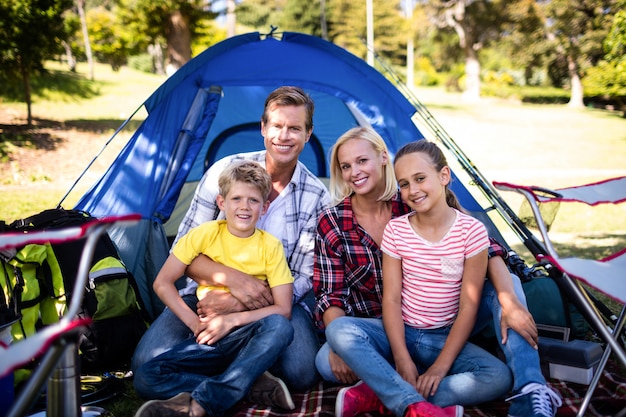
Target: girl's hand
408, 371
428, 382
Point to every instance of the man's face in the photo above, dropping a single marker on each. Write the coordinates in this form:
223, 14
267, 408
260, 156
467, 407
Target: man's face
285, 134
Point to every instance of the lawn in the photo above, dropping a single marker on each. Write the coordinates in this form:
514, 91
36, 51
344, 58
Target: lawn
548, 145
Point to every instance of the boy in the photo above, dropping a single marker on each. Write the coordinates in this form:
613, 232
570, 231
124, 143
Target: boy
212, 371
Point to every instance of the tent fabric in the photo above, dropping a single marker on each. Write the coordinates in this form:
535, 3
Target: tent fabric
211, 107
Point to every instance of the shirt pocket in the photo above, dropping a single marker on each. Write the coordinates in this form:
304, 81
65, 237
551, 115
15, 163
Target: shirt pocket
452, 268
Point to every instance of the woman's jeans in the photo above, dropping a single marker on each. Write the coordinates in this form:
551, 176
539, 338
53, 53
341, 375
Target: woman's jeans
475, 377
295, 365
371, 343
218, 375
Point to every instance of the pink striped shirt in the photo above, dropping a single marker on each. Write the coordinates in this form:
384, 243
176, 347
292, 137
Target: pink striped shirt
432, 271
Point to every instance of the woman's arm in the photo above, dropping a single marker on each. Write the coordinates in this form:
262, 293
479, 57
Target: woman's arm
164, 286
474, 270
220, 326
393, 321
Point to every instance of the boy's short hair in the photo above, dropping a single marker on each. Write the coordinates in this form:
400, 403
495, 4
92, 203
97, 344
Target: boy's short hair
249, 172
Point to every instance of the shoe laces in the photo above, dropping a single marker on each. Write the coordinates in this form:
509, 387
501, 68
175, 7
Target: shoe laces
544, 400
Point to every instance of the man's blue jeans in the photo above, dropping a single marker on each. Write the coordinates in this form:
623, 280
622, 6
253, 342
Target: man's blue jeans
295, 365
218, 375
521, 358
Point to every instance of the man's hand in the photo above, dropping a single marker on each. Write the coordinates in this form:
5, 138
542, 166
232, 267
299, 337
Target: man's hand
518, 318
217, 302
253, 293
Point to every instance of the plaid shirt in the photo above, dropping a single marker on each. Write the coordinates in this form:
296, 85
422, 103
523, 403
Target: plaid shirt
306, 198
348, 263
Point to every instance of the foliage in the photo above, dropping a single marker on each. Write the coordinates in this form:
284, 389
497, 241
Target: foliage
347, 27
608, 78
577, 30
31, 32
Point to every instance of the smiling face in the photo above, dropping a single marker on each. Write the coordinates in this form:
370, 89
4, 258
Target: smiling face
284, 135
243, 205
422, 187
362, 166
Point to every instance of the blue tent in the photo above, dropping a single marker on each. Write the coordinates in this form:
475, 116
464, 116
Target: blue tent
212, 107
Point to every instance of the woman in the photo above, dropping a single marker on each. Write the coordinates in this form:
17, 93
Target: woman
348, 260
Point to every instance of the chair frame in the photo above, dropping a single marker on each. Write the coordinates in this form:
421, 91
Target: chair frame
59, 364
575, 271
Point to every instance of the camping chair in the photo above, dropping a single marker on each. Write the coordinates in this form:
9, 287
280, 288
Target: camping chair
56, 343
606, 275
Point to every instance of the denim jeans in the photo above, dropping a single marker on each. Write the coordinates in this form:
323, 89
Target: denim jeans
218, 375
295, 365
475, 377
521, 358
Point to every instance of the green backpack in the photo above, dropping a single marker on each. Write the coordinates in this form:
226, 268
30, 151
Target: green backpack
39, 279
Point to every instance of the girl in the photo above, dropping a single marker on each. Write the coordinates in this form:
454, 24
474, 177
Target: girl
434, 266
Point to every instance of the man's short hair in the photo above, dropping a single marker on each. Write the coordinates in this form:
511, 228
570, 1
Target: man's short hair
248, 172
290, 96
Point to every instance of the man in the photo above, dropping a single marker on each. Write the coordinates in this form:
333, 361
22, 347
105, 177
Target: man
296, 199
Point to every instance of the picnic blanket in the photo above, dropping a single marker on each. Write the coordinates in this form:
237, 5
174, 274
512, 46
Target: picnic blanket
609, 399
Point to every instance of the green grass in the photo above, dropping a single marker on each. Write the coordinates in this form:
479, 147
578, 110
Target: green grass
548, 145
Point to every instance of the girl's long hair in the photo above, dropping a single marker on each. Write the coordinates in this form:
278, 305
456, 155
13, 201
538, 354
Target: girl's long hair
438, 160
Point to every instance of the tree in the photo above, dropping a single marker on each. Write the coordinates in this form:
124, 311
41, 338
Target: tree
347, 28
176, 21
477, 23
577, 29
608, 78
32, 32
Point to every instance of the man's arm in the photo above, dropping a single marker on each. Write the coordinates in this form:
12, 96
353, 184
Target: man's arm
246, 291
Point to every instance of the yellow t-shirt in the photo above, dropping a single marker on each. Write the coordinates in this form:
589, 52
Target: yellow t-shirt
260, 255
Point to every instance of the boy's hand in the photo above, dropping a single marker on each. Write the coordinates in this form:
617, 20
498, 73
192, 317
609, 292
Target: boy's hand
215, 329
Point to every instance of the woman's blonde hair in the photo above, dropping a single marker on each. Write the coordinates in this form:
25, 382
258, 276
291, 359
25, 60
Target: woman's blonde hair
340, 189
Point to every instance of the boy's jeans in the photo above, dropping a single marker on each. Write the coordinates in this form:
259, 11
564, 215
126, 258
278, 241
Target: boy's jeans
295, 365
218, 375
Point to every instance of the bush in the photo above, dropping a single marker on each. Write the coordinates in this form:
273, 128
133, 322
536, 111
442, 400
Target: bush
142, 63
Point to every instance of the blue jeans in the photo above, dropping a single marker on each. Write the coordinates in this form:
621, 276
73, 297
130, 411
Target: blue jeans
295, 365
521, 358
218, 375
475, 377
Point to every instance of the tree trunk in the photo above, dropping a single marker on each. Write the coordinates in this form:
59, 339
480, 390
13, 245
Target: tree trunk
231, 18
71, 62
472, 75
576, 85
80, 5
27, 95
178, 41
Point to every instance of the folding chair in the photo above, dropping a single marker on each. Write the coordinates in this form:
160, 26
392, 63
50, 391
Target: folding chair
606, 275
57, 342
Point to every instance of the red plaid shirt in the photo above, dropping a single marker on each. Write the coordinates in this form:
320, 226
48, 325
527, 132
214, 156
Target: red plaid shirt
347, 271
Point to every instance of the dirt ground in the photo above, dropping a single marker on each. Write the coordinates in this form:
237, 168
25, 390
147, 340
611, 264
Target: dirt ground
53, 156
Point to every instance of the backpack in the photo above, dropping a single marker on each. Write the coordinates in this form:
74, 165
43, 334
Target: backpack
43, 283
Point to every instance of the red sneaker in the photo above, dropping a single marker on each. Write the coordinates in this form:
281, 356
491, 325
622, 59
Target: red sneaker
426, 409
358, 399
